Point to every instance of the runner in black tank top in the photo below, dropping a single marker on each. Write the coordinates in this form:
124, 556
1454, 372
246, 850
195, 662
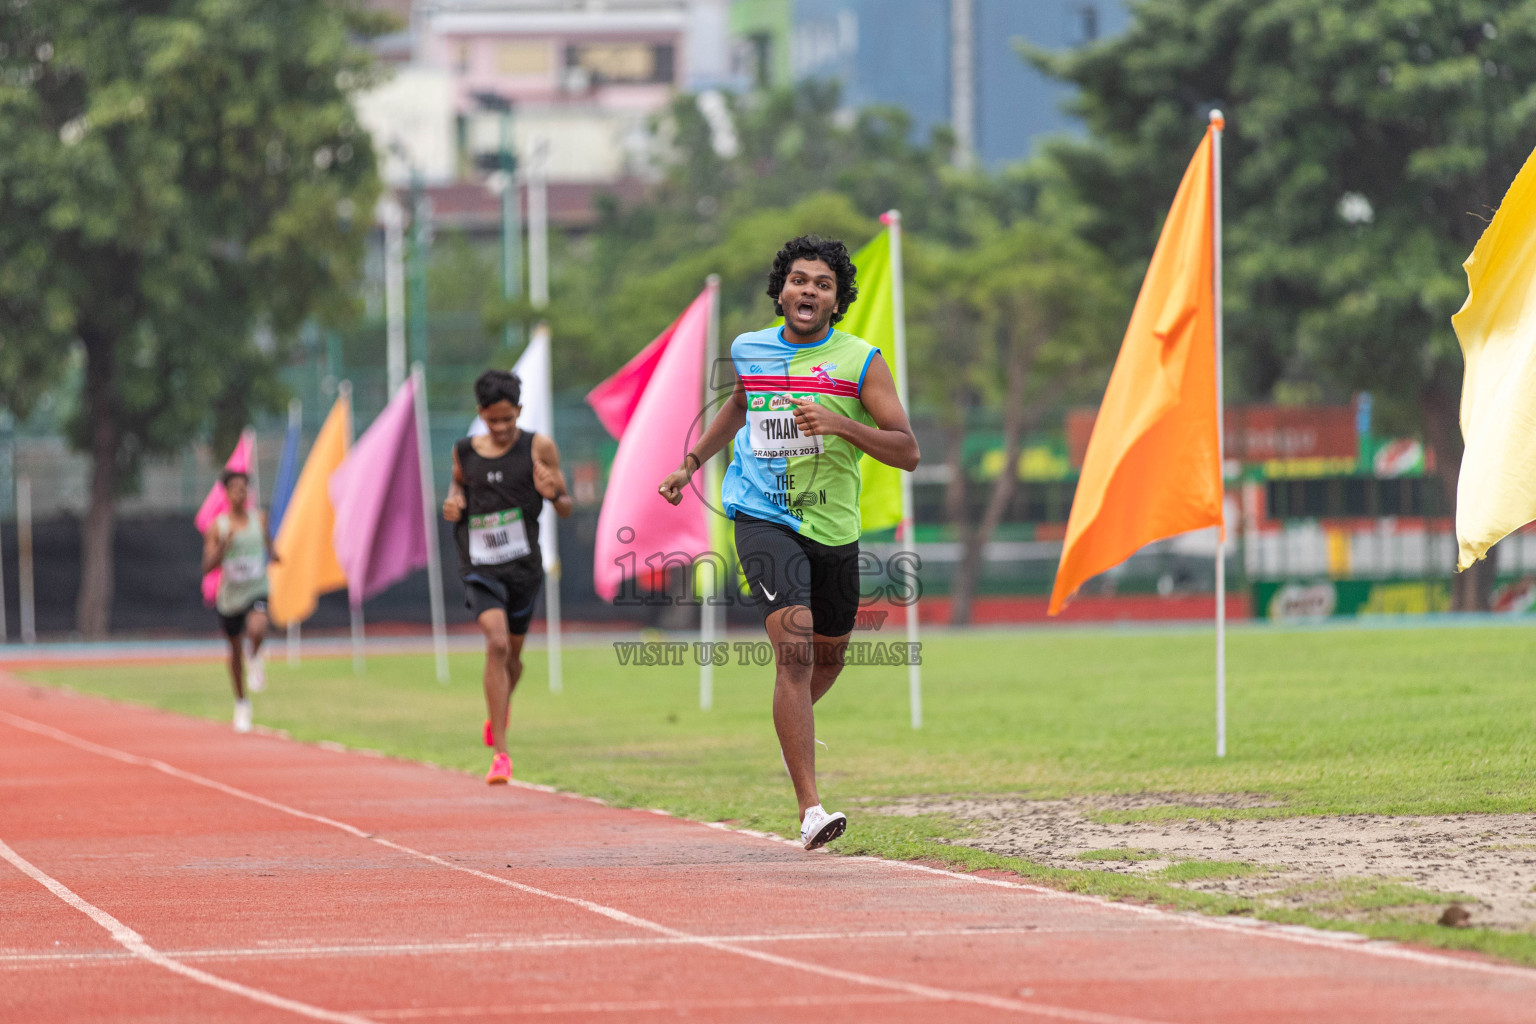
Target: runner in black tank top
501, 480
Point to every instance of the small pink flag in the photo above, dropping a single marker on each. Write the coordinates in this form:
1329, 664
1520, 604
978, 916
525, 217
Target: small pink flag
380, 535
217, 503
653, 406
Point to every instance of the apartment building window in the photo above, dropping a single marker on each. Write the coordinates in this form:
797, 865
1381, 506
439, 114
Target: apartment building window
627, 63
522, 58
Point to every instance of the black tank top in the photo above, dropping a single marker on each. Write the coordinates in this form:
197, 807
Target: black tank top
502, 517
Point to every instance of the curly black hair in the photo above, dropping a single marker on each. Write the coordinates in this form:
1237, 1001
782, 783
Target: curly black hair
498, 385
830, 251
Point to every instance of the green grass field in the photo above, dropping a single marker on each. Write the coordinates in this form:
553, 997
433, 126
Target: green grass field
1432, 720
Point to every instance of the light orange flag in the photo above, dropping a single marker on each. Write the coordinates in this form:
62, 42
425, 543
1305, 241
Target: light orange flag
307, 565
1153, 467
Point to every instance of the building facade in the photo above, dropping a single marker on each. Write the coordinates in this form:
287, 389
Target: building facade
954, 62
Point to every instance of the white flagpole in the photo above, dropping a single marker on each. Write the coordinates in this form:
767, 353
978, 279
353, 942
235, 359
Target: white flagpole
359, 655
904, 531
295, 423
709, 612
1218, 125
550, 540
429, 523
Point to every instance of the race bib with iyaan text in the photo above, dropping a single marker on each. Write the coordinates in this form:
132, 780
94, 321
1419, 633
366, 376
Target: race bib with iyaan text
775, 434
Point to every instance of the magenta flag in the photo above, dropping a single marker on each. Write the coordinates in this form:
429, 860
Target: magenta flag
652, 405
217, 503
380, 534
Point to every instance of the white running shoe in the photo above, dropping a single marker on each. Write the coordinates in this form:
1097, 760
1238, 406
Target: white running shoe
819, 828
242, 716
256, 673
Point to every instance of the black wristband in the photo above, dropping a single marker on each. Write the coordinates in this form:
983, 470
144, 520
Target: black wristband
698, 463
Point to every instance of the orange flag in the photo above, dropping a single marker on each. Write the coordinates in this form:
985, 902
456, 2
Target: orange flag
1153, 467
307, 565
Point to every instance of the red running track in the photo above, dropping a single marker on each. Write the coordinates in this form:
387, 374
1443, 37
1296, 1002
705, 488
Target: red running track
157, 868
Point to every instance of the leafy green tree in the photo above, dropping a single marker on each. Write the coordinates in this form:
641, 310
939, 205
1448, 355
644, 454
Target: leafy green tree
1023, 320
182, 184
1368, 142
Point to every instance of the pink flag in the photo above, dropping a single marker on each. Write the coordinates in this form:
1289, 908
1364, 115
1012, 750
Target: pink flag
380, 534
653, 406
217, 503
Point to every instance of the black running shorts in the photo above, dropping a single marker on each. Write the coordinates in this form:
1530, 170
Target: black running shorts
234, 625
514, 595
784, 569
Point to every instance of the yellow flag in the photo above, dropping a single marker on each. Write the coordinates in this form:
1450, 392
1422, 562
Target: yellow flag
1496, 492
307, 566
873, 318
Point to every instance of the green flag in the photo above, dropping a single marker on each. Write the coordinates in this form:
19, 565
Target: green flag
873, 318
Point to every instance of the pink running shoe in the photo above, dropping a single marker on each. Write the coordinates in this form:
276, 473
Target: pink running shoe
487, 732
501, 771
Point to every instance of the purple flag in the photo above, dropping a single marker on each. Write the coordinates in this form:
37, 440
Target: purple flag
380, 535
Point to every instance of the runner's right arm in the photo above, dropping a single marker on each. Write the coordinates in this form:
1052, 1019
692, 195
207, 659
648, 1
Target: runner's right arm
454, 504
215, 548
731, 418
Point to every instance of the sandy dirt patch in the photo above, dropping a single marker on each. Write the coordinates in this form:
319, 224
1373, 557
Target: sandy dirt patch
1321, 863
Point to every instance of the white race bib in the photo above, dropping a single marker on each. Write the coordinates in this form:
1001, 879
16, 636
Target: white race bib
497, 537
775, 435
245, 569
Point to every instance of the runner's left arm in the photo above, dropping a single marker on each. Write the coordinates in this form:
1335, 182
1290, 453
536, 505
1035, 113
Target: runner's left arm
890, 440
547, 476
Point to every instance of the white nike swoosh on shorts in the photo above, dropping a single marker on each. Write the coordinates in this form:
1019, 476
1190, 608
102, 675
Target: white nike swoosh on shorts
770, 594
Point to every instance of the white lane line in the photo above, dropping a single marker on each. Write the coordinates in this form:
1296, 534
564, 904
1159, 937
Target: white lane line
1351, 942
635, 1006
285, 951
837, 974
134, 943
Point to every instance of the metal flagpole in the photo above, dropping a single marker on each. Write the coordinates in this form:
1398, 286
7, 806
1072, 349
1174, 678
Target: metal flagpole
1218, 124
359, 655
429, 524
709, 611
24, 581
295, 423
905, 537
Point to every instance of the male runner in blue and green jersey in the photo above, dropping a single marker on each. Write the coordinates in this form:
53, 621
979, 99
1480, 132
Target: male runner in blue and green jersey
809, 400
